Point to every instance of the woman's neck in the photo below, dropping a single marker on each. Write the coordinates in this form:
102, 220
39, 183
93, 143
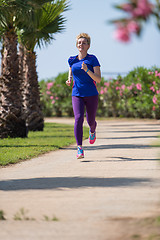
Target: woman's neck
82, 55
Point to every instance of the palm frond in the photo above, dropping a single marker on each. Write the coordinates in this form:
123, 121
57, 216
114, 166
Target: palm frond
46, 22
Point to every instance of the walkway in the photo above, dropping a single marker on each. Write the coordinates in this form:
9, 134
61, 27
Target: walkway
118, 178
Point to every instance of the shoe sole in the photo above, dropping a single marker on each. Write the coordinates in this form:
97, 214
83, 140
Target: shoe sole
79, 157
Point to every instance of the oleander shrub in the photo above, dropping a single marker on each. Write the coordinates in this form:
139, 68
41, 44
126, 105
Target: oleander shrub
56, 96
135, 95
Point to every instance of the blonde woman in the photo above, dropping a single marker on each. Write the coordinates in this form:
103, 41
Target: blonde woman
84, 69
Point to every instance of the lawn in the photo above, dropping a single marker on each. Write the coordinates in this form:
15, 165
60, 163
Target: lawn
55, 136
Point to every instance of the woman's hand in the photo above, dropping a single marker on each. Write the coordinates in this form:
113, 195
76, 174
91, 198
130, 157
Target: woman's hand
84, 66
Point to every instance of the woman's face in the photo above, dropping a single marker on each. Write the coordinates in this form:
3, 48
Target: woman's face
82, 45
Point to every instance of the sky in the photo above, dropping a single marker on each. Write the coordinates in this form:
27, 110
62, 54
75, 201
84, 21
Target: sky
92, 17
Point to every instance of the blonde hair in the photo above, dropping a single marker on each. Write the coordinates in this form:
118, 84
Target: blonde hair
84, 35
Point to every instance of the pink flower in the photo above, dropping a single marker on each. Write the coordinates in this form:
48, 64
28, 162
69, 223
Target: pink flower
122, 34
157, 74
53, 102
106, 84
123, 87
152, 88
117, 88
153, 108
105, 90
57, 98
130, 87
154, 99
143, 9
139, 86
51, 97
158, 91
154, 83
133, 26
48, 92
49, 85
102, 91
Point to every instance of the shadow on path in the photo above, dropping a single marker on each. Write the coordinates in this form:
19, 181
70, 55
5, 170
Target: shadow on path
114, 146
134, 137
120, 159
70, 182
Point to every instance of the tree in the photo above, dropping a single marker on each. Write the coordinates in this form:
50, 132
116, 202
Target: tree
45, 23
12, 120
138, 12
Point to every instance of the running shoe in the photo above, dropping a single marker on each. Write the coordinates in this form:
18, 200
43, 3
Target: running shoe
92, 137
80, 153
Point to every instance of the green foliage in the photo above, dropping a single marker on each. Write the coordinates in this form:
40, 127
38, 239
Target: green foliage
136, 95
56, 96
2, 217
54, 218
22, 215
45, 21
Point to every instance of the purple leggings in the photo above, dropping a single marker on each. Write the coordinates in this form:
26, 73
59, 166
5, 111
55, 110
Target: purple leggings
79, 103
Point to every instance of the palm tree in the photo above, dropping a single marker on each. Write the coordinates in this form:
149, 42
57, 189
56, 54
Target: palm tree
12, 117
12, 121
45, 23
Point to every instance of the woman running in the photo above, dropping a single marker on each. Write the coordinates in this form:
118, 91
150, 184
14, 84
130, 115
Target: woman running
84, 68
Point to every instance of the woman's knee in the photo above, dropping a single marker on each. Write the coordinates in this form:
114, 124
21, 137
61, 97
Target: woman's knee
79, 118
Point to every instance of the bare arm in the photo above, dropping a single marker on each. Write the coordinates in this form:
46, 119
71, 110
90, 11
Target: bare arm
68, 82
96, 75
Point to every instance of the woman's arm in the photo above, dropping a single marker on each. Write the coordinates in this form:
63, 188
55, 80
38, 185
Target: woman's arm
68, 82
96, 75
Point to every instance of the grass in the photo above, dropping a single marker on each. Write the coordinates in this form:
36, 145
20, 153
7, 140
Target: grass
2, 217
55, 136
22, 215
54, 218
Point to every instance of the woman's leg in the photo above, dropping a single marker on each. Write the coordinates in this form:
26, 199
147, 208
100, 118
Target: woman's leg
91, 109
78, 109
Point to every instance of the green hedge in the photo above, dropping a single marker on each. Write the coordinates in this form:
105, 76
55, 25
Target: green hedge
135, 95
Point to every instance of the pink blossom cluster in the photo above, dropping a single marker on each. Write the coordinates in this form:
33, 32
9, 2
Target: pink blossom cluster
49, 85
154, 99
142, 8
153, 88
157, 74
136, 9
121, 88
104, 89
53, 98
124, 30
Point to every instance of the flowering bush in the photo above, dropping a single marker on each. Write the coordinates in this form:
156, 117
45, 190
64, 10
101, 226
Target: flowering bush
138, 12
135, 95
56, 96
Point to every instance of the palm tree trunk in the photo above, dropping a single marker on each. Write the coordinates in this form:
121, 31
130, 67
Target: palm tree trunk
12, 121
33, 110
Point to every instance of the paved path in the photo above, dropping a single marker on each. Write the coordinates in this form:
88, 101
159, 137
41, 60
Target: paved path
119, 177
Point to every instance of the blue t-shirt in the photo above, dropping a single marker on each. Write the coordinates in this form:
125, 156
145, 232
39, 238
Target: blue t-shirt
83, 84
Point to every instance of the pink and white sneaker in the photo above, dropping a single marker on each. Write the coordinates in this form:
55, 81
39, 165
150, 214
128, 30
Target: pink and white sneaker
92, 137
80, 153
